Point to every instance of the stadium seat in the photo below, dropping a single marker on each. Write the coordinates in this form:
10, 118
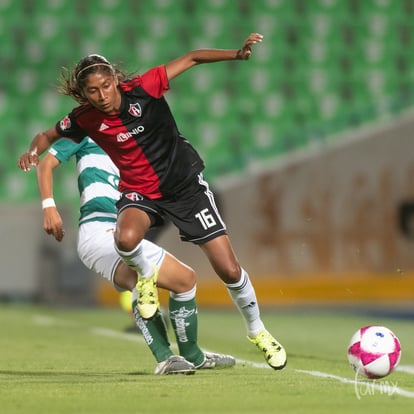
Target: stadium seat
323, 66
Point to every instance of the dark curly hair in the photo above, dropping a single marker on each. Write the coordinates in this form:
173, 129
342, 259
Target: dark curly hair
73, 81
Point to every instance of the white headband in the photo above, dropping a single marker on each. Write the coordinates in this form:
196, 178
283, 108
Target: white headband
94, 64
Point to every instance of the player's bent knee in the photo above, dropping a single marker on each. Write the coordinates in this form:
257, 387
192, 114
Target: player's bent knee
127, 241
229, 274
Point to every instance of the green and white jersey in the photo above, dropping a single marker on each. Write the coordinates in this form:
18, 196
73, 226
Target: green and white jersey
98, 178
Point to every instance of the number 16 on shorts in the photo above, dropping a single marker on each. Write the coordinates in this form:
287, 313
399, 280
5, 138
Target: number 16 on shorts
206, 219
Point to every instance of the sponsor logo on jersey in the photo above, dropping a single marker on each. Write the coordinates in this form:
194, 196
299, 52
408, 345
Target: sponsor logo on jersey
123, 136
134, 196
103, 127
65, 123
135, 110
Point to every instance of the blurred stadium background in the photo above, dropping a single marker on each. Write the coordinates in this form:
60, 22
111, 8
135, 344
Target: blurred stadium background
308, 143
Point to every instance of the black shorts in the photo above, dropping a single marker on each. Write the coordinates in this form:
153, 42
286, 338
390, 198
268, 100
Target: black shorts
192, 209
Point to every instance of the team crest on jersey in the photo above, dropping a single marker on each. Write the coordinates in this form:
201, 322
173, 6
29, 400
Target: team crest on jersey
135, 110
65, 123
134, 196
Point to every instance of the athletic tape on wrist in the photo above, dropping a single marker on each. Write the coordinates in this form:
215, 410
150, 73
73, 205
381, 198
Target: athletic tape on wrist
48, 202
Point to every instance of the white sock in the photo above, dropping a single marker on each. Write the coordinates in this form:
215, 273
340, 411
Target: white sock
185, 296
137, 261
134, 296
244, 297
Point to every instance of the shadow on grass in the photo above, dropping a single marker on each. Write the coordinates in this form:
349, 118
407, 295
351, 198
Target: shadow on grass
68, 376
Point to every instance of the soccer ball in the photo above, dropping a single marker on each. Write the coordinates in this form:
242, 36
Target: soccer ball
374, 351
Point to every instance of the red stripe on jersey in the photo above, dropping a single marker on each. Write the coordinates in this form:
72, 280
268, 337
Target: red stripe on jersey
154, 82
109, 132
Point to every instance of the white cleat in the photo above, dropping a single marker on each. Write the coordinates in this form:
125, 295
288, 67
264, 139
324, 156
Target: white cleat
175, 364
213, 360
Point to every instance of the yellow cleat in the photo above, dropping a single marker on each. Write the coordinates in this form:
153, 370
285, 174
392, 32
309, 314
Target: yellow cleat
148, 303
274, 352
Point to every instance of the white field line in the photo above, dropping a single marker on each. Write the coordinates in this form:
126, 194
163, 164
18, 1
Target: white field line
44, 320
51, 321
363, 387
118, 335
368, 386
408, 369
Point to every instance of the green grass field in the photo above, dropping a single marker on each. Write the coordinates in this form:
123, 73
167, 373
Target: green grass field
82, 361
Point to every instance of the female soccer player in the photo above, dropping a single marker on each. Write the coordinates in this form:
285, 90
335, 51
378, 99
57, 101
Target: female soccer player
98, 179
160, 173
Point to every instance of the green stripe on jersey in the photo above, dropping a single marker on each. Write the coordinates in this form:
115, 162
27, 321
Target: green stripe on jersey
97, 178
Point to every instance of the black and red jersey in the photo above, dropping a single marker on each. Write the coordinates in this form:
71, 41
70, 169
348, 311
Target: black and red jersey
142, 139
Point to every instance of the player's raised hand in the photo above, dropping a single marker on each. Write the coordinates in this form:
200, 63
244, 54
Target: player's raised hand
245, 52
28, 160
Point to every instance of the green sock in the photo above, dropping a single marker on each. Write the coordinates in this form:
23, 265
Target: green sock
154, 333
184, 320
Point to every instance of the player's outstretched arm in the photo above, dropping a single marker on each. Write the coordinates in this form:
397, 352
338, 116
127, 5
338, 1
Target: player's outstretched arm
52, 221
40, 143
197, 57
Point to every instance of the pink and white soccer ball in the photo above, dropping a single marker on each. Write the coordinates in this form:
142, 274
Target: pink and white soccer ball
374, 351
